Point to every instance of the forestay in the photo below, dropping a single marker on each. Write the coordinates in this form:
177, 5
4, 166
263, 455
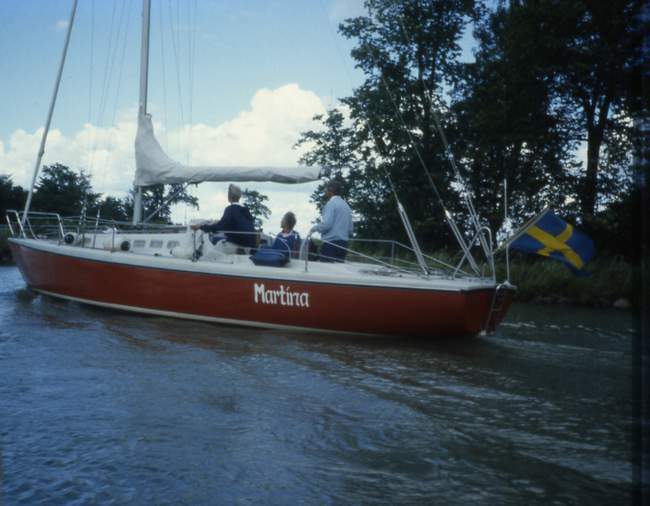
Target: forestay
154, 166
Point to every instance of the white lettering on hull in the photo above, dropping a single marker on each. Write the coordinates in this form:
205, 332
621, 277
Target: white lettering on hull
282, 296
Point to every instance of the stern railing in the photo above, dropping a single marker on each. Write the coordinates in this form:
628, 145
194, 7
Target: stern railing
35, 224
396, 257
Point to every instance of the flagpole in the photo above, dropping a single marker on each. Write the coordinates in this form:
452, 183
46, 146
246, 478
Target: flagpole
523, 229
505, 220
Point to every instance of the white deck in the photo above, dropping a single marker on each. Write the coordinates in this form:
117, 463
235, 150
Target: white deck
153, 251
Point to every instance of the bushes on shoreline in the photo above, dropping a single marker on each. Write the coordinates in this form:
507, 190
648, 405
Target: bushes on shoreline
611, 279
542, 280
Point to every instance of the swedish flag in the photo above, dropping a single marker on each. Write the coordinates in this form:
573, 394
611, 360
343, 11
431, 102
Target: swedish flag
550, 236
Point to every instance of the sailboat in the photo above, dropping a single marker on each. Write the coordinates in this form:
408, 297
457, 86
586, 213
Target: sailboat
175, 272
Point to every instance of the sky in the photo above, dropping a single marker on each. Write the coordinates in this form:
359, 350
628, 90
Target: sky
230, 83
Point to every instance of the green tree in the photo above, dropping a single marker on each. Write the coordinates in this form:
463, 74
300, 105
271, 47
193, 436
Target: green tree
255, 202
589, 54
507, 127
597, 55
64, 191
11, 196
408, 51
112, 208
162, 198
550, 77
335, 148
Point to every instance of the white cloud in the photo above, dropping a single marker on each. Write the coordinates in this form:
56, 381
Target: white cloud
61, 25
264, 134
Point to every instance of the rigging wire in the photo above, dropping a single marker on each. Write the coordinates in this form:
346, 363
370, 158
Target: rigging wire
407, 226
108, 73
400, 117
175, 37
91, 47
103, 86
117, 43
112, 130
110, 63
41, 150
450, 158
400, 208
448, 216
465, 191
342, 57
121, 66
191, 14
174, 34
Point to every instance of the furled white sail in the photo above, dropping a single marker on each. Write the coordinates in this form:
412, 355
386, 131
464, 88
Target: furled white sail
153, 166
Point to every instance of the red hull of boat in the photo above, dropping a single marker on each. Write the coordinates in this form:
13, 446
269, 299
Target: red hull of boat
334, 307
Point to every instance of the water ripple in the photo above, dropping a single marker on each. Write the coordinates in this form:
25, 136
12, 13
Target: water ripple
105, 407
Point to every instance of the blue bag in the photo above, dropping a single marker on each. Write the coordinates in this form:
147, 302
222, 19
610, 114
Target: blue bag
270, 257
278, 254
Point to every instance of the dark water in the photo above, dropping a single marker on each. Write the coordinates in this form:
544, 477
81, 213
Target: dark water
105, 407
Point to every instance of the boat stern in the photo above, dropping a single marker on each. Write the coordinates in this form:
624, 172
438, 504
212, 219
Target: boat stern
487, 308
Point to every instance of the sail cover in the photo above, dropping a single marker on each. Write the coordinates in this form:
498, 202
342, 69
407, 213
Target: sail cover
153, 166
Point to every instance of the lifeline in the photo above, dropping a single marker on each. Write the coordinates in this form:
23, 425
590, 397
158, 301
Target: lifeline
283, 296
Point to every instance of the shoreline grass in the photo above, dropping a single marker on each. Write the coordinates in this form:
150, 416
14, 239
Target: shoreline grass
611, 281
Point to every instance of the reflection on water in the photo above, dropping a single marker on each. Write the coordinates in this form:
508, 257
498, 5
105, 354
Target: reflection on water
103, 406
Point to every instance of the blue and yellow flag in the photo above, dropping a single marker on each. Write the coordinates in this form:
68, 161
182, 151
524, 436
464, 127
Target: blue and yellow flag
550, 236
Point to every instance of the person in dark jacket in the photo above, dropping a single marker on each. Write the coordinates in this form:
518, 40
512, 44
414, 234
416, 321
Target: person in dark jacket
237, 223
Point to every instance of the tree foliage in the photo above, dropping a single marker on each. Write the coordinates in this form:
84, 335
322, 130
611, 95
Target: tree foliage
550, 81
69, 193
11, 196
112, 208
335, 148
507, 127
587, 56
64, 191
408, 51
159, 199
255, 202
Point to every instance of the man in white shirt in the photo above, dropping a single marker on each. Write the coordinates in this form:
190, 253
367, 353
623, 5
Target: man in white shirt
335, 226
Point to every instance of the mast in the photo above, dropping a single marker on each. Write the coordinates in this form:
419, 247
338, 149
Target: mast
144, 79
41, 149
